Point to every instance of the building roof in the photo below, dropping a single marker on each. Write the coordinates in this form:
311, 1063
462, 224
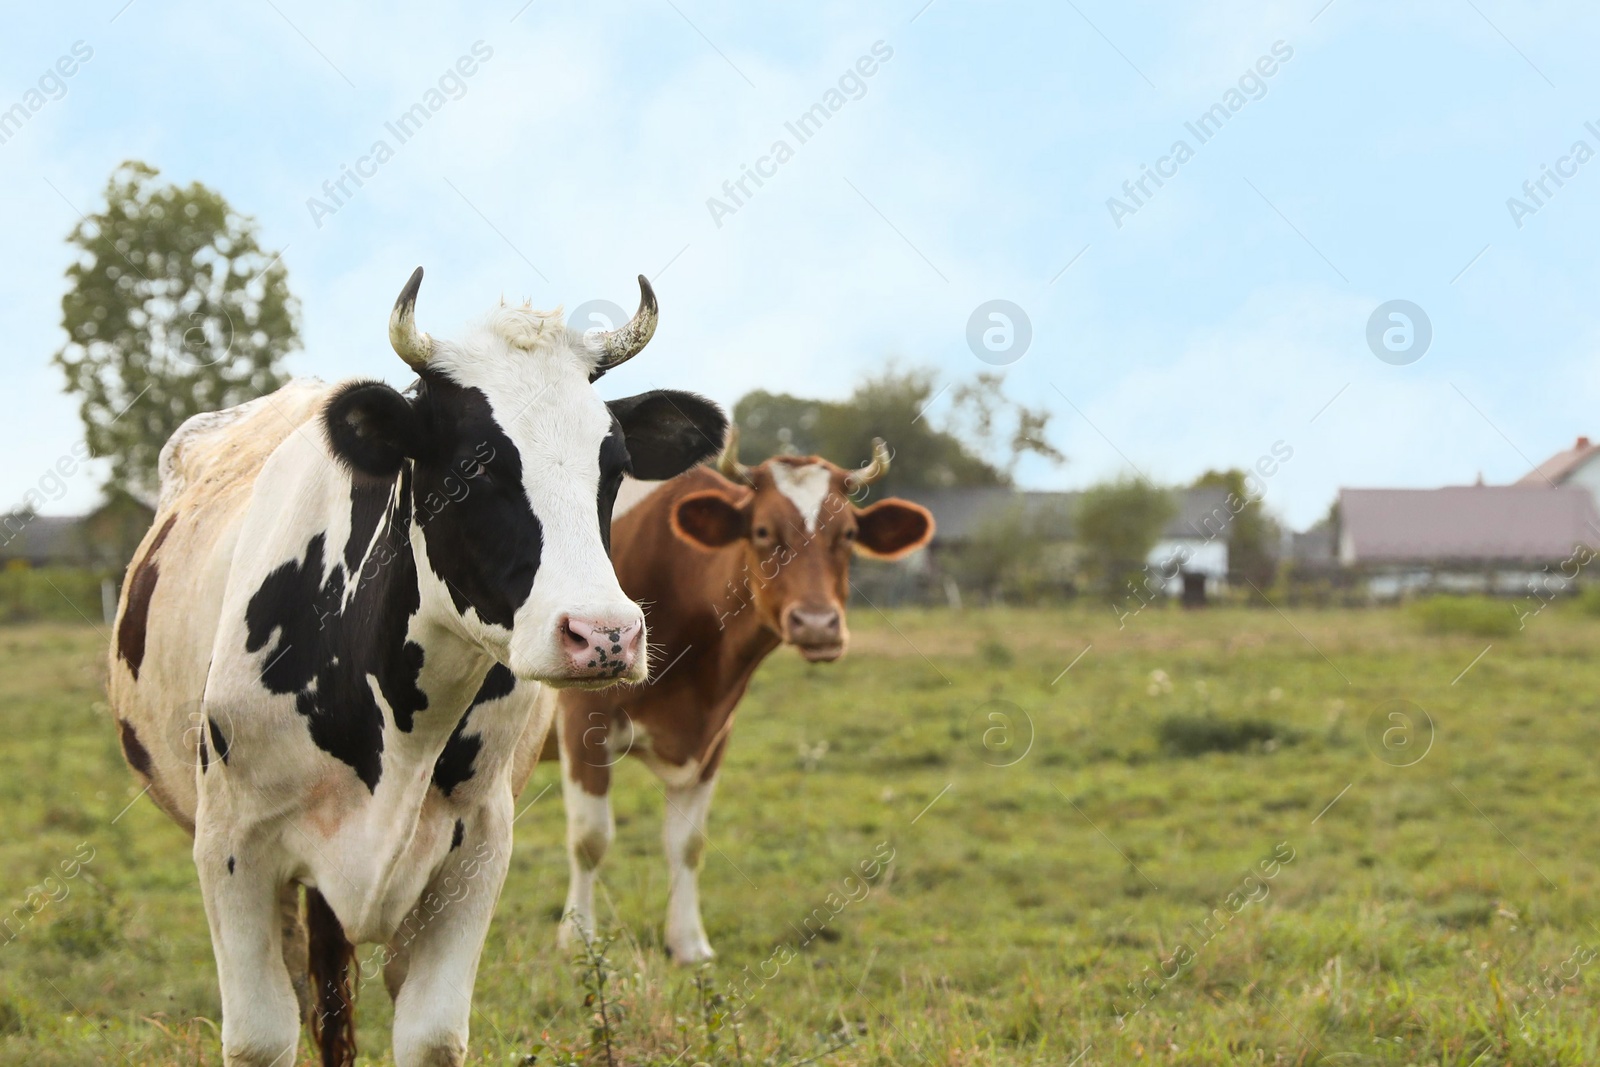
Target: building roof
43, 539
1466, 524
1202, 514
1315, 546
1561, 466
960, 513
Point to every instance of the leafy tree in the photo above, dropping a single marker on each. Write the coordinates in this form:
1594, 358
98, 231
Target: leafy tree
173, 309
894, 406
1118, 523
1252, 534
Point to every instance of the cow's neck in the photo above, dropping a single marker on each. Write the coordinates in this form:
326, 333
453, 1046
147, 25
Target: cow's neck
746, 639
408, 670
404, 658
453, 665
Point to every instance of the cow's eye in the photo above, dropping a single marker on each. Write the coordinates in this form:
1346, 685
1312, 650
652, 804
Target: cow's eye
849, 535
477, 470
762, 533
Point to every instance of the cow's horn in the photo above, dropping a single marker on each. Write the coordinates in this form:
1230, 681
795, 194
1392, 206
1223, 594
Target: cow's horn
618, 346
412, 345
728, 464
873, 471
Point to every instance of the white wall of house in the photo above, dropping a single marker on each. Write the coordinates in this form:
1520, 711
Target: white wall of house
1588, 476
1173, 557
1192, 554
1399, 582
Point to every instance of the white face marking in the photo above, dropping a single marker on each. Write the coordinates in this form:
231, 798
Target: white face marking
806, 487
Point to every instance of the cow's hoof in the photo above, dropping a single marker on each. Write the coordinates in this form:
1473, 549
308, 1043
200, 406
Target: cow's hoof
691, 953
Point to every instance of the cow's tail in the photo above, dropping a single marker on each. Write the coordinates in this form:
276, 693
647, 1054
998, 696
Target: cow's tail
330, 959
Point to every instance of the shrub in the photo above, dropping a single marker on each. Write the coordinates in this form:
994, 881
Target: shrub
1017, 556
1118, 524
1195, 735
1475, 616
57, 594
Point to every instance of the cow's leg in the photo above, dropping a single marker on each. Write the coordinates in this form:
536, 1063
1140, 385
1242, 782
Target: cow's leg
296, 946
260, 1015
585, 792
683, 836
436, 964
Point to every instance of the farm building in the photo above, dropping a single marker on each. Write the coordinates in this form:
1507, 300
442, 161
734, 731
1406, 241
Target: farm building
1475, 538
1578, 465
104, 539
43, 540
1193, 548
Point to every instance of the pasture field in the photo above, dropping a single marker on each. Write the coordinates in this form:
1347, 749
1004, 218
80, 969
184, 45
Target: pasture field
1212, 845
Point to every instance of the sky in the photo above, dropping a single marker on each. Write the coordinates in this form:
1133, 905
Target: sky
1356, 154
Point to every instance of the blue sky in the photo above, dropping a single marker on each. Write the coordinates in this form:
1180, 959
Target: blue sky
975, 163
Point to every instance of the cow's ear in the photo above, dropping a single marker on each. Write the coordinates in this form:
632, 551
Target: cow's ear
668, 431
372, 428
709, 520
891, 528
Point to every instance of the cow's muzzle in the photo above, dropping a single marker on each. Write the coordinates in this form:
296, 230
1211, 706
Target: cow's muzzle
599, 649
818, 633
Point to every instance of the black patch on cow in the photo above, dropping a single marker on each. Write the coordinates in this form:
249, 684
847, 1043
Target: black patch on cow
455, 838
321, 644
498, 683
369, 502
219, 741
230, 864
456, 759
614, 463
457, 504
205, 756
133, 627
133, 749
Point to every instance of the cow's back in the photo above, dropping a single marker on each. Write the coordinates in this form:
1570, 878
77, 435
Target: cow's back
171, 598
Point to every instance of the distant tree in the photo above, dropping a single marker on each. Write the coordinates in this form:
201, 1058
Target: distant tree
894, 406
1117, 524
1016, 555
1252, 534
998, 426
173, 309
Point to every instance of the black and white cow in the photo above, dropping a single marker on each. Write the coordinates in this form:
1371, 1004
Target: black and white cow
319, 651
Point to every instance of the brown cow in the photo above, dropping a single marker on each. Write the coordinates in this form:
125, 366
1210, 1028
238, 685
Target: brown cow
729, 566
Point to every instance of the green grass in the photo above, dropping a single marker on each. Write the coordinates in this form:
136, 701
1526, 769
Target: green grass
1051, 846
1472, 615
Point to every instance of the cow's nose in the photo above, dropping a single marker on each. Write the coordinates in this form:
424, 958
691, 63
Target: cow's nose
817, 632
600, 648
811, 620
